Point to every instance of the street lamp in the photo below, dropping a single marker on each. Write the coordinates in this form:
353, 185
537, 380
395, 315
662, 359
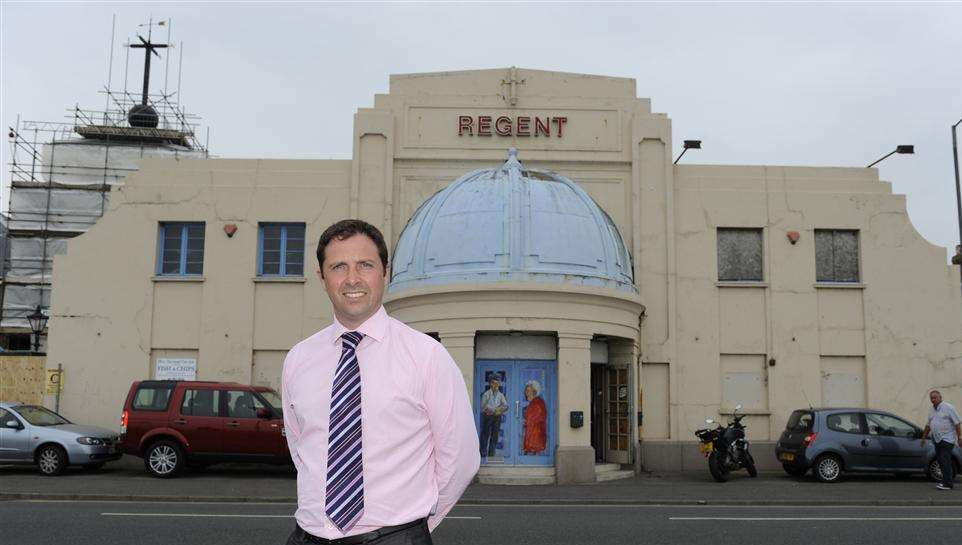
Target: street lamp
689, 144
898, 149
38, 321
958, 196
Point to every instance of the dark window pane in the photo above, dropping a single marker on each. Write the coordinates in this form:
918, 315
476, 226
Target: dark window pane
740, 255
273, 267
846, 256
295, 263
836, 256
824, 257
195, 268
200, 403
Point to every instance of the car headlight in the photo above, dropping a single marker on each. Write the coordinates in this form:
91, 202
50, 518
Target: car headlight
90, 441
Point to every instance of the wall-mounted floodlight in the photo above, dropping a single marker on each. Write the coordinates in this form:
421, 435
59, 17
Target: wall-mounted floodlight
688, 144
903, 149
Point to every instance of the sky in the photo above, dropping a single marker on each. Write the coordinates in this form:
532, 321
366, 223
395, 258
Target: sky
811, 84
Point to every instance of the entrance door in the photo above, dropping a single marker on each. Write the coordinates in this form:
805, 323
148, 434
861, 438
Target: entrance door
616, 393
515, 411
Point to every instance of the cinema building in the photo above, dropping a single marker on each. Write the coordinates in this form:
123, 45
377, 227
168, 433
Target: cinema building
539, 229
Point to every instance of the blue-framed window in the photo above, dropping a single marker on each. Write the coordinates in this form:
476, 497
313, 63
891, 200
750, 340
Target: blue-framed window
181, 250
280, 249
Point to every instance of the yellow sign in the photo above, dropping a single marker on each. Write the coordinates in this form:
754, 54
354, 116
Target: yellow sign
54, 381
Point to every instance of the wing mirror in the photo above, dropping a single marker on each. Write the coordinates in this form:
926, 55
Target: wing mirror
738, 407
13, 424
709, 421
264, 412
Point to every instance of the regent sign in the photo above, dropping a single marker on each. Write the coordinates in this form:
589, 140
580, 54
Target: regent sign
522, 125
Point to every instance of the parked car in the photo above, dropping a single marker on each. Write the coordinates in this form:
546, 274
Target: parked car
831, 442
171, 424
34, 435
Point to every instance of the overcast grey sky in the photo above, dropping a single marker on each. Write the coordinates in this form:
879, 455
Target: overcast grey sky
778, 84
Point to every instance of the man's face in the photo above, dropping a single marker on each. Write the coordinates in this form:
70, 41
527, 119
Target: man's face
494, 385
935, 398
354, 279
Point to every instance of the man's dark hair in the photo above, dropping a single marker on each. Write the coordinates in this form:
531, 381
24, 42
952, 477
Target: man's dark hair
345, 229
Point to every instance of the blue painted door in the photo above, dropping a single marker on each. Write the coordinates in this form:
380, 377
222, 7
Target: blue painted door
515, 407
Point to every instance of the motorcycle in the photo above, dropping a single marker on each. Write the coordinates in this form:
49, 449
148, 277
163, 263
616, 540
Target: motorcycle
726, 447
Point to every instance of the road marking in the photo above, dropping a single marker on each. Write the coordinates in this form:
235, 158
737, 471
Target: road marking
216, 515
816, 519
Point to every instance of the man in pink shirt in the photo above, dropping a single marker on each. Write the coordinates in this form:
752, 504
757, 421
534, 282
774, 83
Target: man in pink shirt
376, 414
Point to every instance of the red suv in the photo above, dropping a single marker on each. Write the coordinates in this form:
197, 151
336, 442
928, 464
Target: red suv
172, 423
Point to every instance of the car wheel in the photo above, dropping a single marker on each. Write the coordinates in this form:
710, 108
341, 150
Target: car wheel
52, 460
795, 471
828, 468
94, 467
934, 471
164, 459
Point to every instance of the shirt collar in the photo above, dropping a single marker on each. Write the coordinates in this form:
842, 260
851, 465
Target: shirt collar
374, 327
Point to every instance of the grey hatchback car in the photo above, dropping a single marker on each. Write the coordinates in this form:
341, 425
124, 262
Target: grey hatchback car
34, 435
833, 441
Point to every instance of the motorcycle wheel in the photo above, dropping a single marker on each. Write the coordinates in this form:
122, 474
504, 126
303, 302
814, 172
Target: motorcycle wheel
750, 465
716, 467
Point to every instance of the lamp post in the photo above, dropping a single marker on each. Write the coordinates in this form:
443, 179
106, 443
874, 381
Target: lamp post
689, 144
903, 149
38, 321
958, 196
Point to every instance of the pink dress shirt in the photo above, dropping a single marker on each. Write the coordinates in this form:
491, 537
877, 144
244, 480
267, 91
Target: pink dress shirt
420, 446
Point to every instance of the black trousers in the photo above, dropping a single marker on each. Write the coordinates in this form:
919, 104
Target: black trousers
490, 429
415, 535
943, 453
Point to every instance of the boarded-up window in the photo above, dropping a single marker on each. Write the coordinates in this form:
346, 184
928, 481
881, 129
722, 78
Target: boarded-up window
740, 254
744, 382
836, 255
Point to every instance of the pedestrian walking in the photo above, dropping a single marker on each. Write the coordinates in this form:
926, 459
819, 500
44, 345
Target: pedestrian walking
945, 428
376, 414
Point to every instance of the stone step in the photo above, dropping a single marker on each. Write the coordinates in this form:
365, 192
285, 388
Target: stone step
614, 475
516, 471
516, 480
601, 468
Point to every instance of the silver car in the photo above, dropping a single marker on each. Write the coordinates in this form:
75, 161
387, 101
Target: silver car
34, 435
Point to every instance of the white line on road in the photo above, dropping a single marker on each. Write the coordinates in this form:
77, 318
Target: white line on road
817, 519
216, 515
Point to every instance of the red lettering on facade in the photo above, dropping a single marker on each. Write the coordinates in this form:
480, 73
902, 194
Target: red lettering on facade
484, 125
523, 126
503, 126
542, 127
560, 122
465, 123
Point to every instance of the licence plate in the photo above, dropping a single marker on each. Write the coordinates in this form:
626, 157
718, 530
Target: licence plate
704, 448
787, 457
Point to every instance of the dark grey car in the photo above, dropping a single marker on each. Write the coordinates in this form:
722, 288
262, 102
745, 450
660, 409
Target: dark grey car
833, 441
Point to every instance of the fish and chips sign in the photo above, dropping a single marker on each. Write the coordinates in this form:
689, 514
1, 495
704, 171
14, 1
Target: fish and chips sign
175, 369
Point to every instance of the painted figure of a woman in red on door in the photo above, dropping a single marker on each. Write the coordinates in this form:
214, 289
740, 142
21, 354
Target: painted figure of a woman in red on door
535, 420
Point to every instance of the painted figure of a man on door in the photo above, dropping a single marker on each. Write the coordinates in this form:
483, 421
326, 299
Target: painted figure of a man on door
493, 406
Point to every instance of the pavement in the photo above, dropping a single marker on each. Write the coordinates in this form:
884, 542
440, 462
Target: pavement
127, 480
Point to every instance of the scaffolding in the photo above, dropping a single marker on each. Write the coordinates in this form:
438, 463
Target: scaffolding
61, 176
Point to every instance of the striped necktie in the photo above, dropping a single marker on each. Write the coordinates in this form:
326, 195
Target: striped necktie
345, 472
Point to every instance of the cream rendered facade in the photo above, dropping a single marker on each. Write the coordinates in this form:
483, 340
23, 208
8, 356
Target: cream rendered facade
689, 344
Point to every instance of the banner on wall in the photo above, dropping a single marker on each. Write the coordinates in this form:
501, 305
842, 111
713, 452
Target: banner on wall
175, 369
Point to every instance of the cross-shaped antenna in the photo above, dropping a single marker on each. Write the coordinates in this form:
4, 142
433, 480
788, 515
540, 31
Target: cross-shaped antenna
148, 47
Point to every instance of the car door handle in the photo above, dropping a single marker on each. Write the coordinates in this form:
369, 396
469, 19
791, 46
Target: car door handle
180, 421
233, 424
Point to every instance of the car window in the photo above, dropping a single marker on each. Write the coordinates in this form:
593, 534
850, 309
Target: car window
200, 403
845, 423
152, 397
889, 426
272, 398
800, 421
242, 404
40, 416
